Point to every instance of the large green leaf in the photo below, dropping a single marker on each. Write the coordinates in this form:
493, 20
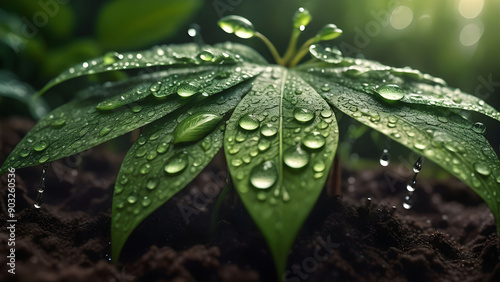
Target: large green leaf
279, 144
131, 24
156, 168
442, 136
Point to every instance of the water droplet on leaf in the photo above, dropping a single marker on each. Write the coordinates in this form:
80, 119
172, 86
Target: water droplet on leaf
176, 164
303, 115
314, 140
263, 175
295, 157
390, 92
249, 122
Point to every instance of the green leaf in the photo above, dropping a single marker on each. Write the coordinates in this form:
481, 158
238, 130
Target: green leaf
130, 24
279, 144
11, 87
185, 55
441, 136
418, 88
195, 127
80, 124
156, 168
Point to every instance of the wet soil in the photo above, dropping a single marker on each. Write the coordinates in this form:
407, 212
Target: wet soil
448, 234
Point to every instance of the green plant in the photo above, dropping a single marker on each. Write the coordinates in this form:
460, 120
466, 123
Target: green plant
276, 124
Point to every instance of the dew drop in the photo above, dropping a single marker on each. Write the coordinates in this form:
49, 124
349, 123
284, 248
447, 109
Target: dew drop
314, 140
25, 152
176, 164
390, 92
146, 168
240, 26
155, 87
58, 123
151, 183
482, 169
40, 146
319, 166
303, 115
187, 90
268, 130
206, 56
105, 131
384, 158
146, 201
43, 158
263, 145
162, 147
295, 157
132, 199
479, 128
249, 122
261, 196
263, 175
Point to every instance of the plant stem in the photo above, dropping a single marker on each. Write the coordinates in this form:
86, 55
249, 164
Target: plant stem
271, 48
292, 46
302, 52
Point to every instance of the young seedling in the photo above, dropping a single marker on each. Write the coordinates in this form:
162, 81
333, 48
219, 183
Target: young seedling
276, 123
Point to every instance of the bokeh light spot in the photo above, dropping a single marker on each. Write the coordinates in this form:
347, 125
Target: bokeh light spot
470, 9
401, 17
470, 34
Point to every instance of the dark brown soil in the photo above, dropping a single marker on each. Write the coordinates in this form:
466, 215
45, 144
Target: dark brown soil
448, 235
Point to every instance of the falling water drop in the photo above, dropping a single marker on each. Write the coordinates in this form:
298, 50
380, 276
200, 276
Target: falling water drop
384, 158
418, 165
408, 202
412, 185
41, 187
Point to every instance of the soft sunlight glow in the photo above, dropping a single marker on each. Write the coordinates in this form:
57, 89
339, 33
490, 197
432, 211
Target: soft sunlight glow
401, 17
470, 34
470, 9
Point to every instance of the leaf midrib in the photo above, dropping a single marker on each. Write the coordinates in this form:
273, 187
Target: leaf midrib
282, 91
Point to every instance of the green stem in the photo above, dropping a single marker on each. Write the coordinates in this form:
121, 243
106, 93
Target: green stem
292, 46
302, 52
271, 48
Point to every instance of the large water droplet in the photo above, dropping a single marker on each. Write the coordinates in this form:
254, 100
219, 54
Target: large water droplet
303, 115
390, 92
482, 169
263, 175
268, 130
206, 56
240, 26
479, 128
187, 90
314, 140
176, 164
249, 122
319, 166
146, 168
295, 157
41, 145
384, 158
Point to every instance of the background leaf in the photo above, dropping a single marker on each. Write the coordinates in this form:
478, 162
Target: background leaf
128, 24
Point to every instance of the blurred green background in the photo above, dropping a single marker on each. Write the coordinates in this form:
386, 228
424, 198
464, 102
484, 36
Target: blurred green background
457, 40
